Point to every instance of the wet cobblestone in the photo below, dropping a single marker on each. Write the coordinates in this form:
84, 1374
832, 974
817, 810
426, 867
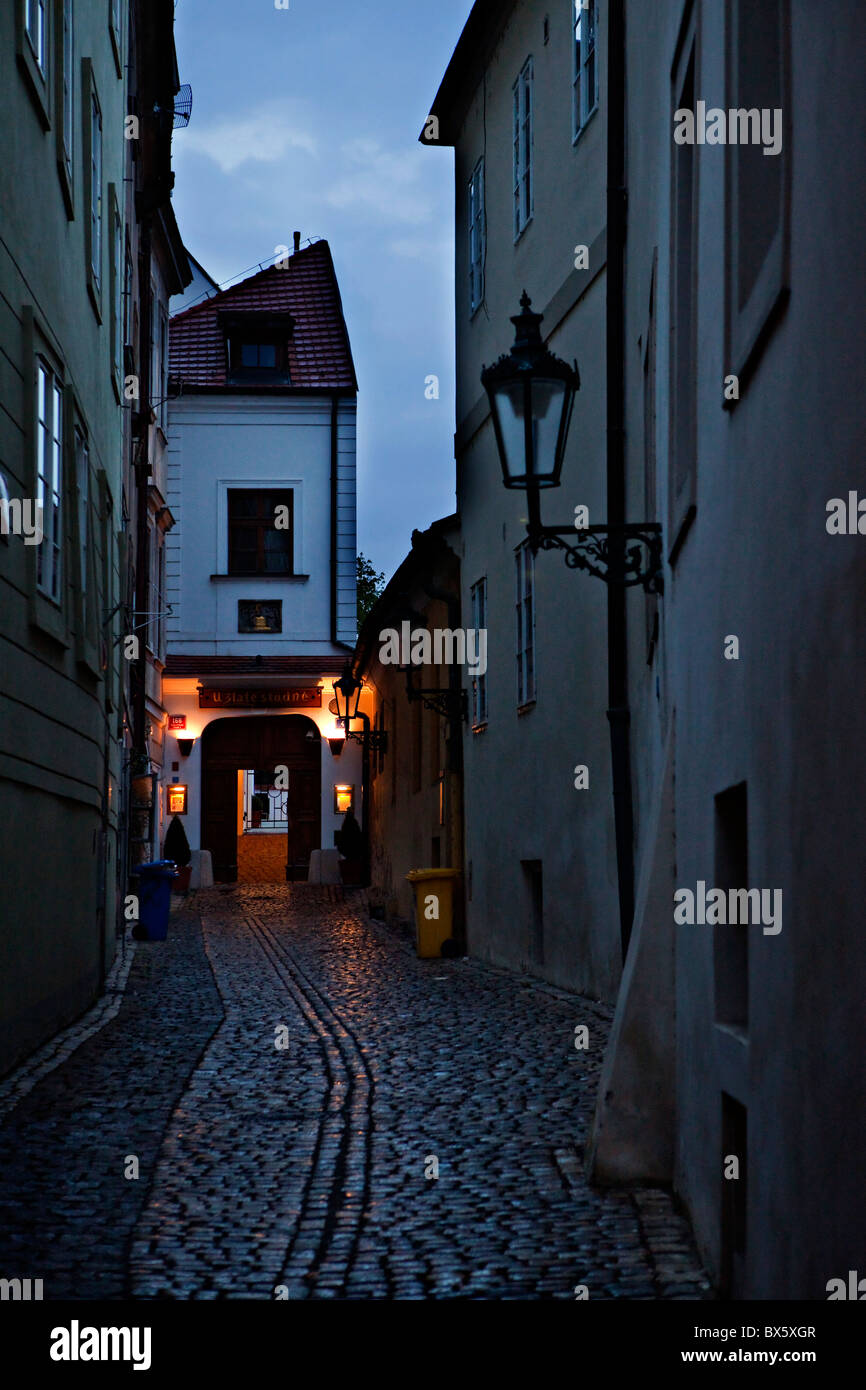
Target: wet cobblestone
304, 1169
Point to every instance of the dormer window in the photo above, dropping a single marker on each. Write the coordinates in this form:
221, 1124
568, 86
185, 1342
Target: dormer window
262, 355
257, 348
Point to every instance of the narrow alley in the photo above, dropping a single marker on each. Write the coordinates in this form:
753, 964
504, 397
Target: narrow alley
287, 1079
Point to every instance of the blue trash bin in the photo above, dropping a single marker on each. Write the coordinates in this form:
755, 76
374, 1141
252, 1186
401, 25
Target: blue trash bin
154, 896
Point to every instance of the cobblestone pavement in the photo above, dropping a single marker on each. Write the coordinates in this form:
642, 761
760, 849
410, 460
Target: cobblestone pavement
288, 1076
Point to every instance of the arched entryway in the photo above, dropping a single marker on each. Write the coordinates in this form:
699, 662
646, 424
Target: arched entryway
261, 743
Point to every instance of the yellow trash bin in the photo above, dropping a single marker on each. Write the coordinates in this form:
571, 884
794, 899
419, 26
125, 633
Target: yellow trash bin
434, 908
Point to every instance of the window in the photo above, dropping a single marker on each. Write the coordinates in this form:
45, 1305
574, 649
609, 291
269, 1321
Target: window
35, 45
94, 191
65, 90
118, 271
479, 683
156, 596
127, 292
522, 97
35, 24
757, 181
585, 99
259, 360
115, 27
525, 605
683, 345
158, 357
261, 531
82, 486
259, 355
477, 236
731, 941
417, 745
49, 479
162, 380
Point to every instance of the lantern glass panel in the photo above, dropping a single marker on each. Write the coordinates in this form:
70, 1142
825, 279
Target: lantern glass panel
510, 397
548, 401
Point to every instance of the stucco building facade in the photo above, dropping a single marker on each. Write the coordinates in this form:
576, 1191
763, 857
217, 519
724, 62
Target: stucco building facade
261, 562
523, 105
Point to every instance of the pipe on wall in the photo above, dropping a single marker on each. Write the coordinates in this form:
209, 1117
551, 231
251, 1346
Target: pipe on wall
618, 712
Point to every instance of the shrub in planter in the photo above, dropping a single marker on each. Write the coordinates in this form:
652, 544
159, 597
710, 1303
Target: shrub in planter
350, 842
176, 847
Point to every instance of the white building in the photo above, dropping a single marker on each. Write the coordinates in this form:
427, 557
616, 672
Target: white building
260, 573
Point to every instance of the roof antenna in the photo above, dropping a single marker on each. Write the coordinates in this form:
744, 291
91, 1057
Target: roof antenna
297, 237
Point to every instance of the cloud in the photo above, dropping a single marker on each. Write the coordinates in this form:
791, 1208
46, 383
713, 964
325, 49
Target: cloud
265, 136
381, 182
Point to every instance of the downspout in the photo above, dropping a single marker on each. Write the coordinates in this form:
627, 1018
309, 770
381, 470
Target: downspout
335, 405
142, 540
617, 652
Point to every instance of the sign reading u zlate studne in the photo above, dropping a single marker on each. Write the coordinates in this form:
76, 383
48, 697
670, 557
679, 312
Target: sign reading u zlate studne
300, 698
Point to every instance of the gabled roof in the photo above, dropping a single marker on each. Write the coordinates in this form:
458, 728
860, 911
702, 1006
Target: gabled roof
320, 356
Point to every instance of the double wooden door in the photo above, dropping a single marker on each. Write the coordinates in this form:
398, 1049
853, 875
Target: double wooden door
260, 741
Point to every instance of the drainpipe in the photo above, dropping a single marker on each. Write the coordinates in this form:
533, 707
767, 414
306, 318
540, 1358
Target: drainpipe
335, 406
617, 653
142, 545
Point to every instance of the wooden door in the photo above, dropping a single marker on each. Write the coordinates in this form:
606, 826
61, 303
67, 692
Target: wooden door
220, 820
263, 741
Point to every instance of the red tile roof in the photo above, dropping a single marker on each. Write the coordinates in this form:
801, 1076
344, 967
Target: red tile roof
319, 350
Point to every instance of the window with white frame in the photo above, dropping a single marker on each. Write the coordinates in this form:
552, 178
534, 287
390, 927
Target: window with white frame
49, 479
95, 188
479, 682
36, 25
82, 485
477, 236
156, 601
115, 20
158, 357
522, 136
117, 285
525, 609
585, 100
67, 86
127, 293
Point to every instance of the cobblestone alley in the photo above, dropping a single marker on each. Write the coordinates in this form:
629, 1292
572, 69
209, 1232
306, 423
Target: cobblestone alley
288, 1076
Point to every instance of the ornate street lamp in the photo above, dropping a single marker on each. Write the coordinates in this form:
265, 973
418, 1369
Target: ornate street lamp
347, 692
531, 396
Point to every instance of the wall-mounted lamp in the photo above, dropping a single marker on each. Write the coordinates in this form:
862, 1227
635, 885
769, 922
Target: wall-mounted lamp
185, 745
336, 746
347, 694
531, 396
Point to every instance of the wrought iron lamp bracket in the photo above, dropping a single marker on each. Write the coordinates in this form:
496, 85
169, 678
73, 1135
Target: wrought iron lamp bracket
639, 558
374, 739
449, 704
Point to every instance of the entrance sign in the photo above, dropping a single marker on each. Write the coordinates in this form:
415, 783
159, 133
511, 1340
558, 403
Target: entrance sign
301, 698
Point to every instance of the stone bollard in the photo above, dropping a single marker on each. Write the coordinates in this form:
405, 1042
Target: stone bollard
202, 869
